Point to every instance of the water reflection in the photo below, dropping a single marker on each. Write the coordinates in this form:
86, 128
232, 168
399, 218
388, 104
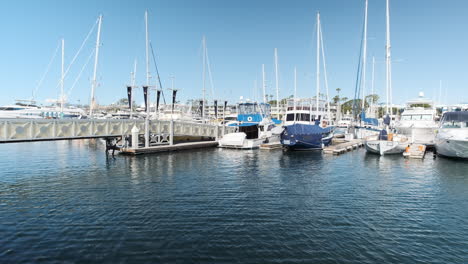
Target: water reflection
219, 205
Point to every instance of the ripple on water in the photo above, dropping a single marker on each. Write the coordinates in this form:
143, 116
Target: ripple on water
68, 202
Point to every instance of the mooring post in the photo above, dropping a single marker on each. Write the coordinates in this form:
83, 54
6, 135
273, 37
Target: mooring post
135, 135
171, 133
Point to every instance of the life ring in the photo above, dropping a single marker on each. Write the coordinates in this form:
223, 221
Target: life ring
249, 118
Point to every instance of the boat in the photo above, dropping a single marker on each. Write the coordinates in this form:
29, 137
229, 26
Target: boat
29, 110
254, 127
385, 144
451, 139
305, 125
418, 121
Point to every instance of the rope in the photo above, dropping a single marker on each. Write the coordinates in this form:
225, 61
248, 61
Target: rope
157, 72
46, 72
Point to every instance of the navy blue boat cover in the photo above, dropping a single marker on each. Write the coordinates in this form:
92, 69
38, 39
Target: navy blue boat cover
303, 129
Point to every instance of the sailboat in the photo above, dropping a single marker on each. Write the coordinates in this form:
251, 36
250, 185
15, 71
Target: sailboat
306, 132
387, 143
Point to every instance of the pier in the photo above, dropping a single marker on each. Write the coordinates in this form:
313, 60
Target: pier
343, 147
29, 130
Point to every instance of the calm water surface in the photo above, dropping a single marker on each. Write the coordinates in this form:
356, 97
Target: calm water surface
66, 202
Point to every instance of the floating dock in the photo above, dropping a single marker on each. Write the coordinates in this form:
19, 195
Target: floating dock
343, 147
167, 148
269, 146
415, 151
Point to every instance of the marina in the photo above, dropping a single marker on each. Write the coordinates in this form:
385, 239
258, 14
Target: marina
298, 132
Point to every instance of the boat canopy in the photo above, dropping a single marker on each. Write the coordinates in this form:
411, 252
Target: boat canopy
454, 120
455, 116
368, 120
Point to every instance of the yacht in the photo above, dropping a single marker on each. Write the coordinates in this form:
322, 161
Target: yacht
254, 127
418, 121
451, 139
20, 110
29, 109
305, 127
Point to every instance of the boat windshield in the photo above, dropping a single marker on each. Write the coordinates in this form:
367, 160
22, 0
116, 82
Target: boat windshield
253, 108
455, 120
416, 117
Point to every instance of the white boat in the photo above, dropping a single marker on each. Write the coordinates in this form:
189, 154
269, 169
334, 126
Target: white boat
255, 127
20, 110
32, 111
451, 139
418, 121
391, 144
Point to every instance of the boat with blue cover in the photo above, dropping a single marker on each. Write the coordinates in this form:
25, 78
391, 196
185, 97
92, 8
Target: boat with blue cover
306, 136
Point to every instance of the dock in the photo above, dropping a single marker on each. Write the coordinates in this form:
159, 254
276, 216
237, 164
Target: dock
415, 151
343, 147
168, 148
270, 146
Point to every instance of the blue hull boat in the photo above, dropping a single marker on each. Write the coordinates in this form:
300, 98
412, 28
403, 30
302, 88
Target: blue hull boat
306, 137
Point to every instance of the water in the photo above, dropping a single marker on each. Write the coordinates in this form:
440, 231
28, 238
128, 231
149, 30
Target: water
66, 202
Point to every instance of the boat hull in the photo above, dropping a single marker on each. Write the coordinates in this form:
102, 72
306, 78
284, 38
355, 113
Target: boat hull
419, 135
384, 147
452, 148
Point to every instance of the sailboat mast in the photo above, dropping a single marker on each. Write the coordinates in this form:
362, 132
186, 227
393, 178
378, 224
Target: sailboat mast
63, 76
277, 83
96, 57
387, 57
264, 84
204, 77
133, 86
373, 80
318, 67
364, 60
295, 92
147, 139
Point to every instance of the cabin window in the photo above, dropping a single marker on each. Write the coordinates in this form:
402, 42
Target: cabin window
451, 124
426, 117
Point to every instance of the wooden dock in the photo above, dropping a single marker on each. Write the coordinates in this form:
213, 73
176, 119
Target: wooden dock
269, 146
342, 147
167, 148
415, 151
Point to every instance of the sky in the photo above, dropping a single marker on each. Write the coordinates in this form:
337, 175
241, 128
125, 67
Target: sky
429, 46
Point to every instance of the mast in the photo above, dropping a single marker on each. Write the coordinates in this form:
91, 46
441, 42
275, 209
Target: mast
373, 79
96, 57
318, 67
325, 75
63, 76
277, 83
295, 93
264, 84
364, 60
204, 77
147, 82
387, 57
133, 86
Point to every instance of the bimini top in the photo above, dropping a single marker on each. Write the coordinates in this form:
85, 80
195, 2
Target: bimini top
455, 116
305, 129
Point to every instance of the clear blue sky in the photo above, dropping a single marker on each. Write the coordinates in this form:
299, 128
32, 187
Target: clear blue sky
429, 43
